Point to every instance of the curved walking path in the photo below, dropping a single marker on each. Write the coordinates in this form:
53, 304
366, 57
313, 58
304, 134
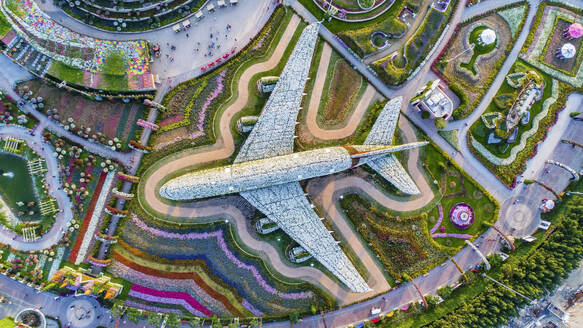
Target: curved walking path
368, 97
53, 180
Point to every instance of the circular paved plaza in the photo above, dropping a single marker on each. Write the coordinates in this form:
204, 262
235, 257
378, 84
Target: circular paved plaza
81, 312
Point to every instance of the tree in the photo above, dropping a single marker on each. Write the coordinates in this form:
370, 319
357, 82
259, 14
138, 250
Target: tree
445, 292
440, 123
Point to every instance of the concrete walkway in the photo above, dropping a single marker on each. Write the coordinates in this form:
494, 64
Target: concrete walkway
186, 58
53, 180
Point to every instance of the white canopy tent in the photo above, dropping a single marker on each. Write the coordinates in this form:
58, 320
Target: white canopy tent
221, 3
488, 36
568, 50
210, 7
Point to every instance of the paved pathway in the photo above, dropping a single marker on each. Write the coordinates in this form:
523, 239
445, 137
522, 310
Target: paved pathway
52, 177
187, 59
20, 296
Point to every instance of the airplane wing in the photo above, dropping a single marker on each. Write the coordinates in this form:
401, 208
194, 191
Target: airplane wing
382, 134
287, 205
273, 134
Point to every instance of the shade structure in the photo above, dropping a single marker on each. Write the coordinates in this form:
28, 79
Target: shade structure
488, 36
568, 50
549, 204
575, 30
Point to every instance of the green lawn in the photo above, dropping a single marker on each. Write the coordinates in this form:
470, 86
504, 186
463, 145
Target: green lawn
66, 73
456, 186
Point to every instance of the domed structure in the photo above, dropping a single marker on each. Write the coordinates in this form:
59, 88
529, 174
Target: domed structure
574, 31
567, 51
488, 36
461, 215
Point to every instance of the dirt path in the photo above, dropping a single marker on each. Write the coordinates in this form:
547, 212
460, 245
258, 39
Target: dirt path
370, 94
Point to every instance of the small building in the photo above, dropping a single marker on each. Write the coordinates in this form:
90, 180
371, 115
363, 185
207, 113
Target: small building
298, 255
246, 123
433, 100
265, 226
567, 51
574, 31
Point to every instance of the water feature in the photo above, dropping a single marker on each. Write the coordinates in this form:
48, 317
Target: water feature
16, 186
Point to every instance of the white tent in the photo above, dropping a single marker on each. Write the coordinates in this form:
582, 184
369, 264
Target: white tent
199, 15
186, 23
488, 36
210, 7
234, 2
221, 3
568, 50
176, 28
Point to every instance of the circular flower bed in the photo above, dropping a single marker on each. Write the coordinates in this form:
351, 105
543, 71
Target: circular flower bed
366, 4
461, 215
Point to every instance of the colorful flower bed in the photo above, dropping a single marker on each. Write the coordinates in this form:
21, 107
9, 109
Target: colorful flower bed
239, 273
43, 27
160, 296
218, 235
97, 210
211, 293
461, 215
87, 219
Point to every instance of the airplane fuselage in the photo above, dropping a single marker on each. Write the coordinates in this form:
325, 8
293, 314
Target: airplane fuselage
267, 172
272, 171
256, 174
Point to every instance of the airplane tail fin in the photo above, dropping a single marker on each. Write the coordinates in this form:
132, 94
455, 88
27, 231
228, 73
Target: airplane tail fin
382, 134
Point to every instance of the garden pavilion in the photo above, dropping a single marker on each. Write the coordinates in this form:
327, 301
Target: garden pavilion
567, 51
487, 37
574, 31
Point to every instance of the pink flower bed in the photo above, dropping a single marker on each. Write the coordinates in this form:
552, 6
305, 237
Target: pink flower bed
218, 234
150, 308
121, 270
171, 120
176, 298
452, 235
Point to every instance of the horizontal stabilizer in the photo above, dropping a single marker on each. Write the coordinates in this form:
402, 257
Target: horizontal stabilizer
390, 168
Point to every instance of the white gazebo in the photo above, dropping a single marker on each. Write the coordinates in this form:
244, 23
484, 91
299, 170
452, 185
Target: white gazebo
567, 51
487, 37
